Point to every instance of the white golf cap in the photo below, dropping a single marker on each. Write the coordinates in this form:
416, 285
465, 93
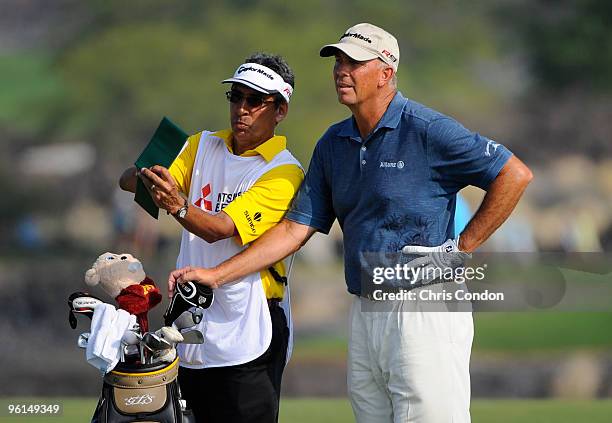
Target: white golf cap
261, 78
365, 41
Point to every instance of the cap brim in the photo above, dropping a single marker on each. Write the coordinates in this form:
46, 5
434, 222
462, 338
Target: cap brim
351, 50
247, 83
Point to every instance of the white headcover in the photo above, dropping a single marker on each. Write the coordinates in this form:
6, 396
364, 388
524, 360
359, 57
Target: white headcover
262, 79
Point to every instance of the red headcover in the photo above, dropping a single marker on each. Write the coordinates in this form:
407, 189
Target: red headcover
139, 299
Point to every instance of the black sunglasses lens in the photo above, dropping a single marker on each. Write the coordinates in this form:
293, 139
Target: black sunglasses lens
254, 100
233, 96
251, 100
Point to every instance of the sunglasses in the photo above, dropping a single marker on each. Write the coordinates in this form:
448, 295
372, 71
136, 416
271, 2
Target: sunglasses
234, 96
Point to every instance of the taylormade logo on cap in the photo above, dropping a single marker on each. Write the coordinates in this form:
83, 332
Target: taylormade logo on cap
356, 35
251, 68
365, 41
261, 78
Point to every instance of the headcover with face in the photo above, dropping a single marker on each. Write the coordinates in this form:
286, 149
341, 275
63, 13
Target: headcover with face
261, 78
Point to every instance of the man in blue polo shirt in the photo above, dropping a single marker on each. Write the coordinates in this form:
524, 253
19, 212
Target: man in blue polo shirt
390, 174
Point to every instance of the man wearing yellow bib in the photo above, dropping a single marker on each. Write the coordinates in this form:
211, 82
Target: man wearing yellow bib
238, 183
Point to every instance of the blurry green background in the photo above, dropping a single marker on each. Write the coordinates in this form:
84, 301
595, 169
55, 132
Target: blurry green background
84, 84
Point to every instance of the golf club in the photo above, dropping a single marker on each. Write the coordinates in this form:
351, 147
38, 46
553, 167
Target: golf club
189, 319
185, 296
81, 303
83, 339
129, 338
170, 334
192, 337
155, 343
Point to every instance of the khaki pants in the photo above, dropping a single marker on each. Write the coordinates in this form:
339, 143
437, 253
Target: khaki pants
409, 365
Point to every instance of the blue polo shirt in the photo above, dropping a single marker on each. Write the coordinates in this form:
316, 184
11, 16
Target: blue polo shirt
396, 187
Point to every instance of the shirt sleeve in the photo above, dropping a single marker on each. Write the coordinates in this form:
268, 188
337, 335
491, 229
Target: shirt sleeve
459, 157
265, 203
313, 204
182, 166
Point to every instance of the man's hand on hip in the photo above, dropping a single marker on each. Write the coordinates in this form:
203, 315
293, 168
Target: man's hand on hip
442, 257
162, 187
446, 255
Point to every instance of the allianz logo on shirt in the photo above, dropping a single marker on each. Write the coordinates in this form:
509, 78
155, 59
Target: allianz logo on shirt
397, 165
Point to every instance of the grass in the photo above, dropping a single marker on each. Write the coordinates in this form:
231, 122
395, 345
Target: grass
515, 333
541, 411
337, 410
541, 331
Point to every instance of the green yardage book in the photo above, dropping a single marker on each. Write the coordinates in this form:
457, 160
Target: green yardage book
163, 148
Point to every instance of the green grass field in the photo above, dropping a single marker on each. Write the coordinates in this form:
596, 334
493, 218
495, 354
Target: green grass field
515, 333
338, 411
541, 331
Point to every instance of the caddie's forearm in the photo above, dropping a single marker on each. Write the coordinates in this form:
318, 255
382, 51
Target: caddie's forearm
209, 227
127, 181
501, 198
277, 243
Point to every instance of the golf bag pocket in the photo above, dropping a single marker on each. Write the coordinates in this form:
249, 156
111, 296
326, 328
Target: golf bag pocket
141, 394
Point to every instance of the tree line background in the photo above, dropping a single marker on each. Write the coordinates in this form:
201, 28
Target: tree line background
84, 84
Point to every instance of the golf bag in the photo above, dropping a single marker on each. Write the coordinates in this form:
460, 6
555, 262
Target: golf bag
142, 393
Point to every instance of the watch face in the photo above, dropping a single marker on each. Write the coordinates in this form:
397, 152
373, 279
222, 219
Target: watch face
182, 212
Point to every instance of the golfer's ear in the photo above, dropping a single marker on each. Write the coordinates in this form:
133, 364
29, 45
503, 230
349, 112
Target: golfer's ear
385, 76
281, 112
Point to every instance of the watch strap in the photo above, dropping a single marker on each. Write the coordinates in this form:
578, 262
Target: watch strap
182, 210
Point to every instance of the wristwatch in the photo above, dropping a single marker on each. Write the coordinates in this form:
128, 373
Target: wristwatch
182, 212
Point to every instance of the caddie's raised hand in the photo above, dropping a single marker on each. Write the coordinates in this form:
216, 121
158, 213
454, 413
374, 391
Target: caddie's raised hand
162, 187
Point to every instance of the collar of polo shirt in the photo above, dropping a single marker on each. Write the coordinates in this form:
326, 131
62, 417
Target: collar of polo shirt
261, 78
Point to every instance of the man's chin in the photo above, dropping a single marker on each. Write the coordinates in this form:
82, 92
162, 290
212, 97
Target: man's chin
346, 99
240, 131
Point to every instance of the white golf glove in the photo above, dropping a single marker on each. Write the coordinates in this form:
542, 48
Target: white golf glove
443, 257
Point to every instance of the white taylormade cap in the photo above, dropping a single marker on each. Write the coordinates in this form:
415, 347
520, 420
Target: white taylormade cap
261, 78
365, 41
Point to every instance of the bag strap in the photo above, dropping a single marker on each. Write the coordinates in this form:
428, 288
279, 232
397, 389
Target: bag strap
277, 277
